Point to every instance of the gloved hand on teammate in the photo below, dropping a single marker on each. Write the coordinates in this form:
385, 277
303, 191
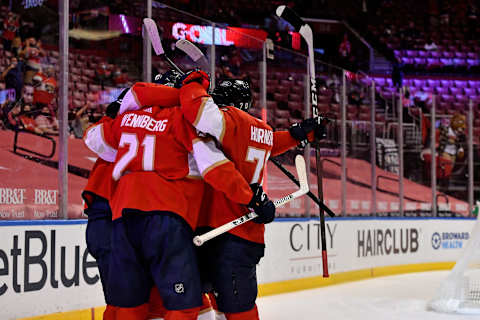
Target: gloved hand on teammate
196, 75
309, 130
263, 207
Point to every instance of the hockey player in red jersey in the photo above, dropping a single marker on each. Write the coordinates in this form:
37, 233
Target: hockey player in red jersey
229, 262
205, 115
96, 195
158, 157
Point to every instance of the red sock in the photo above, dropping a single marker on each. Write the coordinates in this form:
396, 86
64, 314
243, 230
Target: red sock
109, 313
187, 314
135, 313
156, 309
206, 306
213, 301
251, 314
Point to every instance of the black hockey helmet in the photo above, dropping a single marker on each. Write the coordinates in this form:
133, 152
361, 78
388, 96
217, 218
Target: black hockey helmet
170, 78
233, 92
113, 107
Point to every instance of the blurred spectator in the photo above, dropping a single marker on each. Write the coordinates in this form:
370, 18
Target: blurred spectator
103, 74
407, 100
407, 103
397, 73
356, 97
11, 111
13, 76
226, 72
46, 122
344, 51
32, 52
449, 148
16, 45
27, 95
10, 27
231, 65
18, 112
430, 45
45, 86
120, 76
81, 121
422, 100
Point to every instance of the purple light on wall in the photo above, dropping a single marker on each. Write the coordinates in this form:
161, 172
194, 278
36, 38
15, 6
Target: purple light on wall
126, 29
124, 24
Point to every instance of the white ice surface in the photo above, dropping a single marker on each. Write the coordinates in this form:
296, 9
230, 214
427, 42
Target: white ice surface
398, 297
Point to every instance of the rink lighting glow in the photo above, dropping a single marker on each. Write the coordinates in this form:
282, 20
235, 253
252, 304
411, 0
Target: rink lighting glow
27, 4
124, 24
200, 34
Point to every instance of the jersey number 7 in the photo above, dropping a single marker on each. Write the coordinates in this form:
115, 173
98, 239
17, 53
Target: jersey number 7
258, 155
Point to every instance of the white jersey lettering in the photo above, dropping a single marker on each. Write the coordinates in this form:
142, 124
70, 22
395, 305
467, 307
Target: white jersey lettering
261, 135
143, 121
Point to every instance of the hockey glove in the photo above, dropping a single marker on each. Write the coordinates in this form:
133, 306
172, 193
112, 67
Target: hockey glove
196, 75
301, 131
263, 207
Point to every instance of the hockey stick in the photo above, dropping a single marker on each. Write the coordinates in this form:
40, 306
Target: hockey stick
196, 54
302, 177
305, 31
192, 51
152, 31
309, 193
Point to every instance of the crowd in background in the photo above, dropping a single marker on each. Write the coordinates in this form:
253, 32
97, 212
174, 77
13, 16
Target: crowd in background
26, 69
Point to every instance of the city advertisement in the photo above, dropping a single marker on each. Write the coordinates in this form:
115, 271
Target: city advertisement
293, 246
45, 266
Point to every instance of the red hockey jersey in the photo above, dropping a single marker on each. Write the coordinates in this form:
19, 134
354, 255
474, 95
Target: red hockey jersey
245, 140
159, 161
100, 182
143, 94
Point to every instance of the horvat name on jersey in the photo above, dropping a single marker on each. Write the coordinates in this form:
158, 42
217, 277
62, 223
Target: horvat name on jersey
143, 121
261, 135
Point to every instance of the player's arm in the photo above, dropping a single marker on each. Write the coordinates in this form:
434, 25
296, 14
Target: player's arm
200, 110
143, 94
100, 139
219, 172
299, 134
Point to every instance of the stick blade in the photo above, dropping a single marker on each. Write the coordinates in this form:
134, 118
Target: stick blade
152, 31
302, 173
193, 52
290, 16
190, 49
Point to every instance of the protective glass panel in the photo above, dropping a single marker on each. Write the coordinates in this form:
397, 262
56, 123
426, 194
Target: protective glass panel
28, 98
329, 95
286, 80
358, 172
388, 158
174, 26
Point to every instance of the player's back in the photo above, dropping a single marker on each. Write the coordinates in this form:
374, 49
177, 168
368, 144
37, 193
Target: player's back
152, 163
247, 142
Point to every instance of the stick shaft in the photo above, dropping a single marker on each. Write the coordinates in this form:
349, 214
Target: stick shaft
309, 193
302, 175
306, 32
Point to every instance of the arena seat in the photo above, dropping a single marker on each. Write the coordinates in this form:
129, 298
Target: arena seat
81, 86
